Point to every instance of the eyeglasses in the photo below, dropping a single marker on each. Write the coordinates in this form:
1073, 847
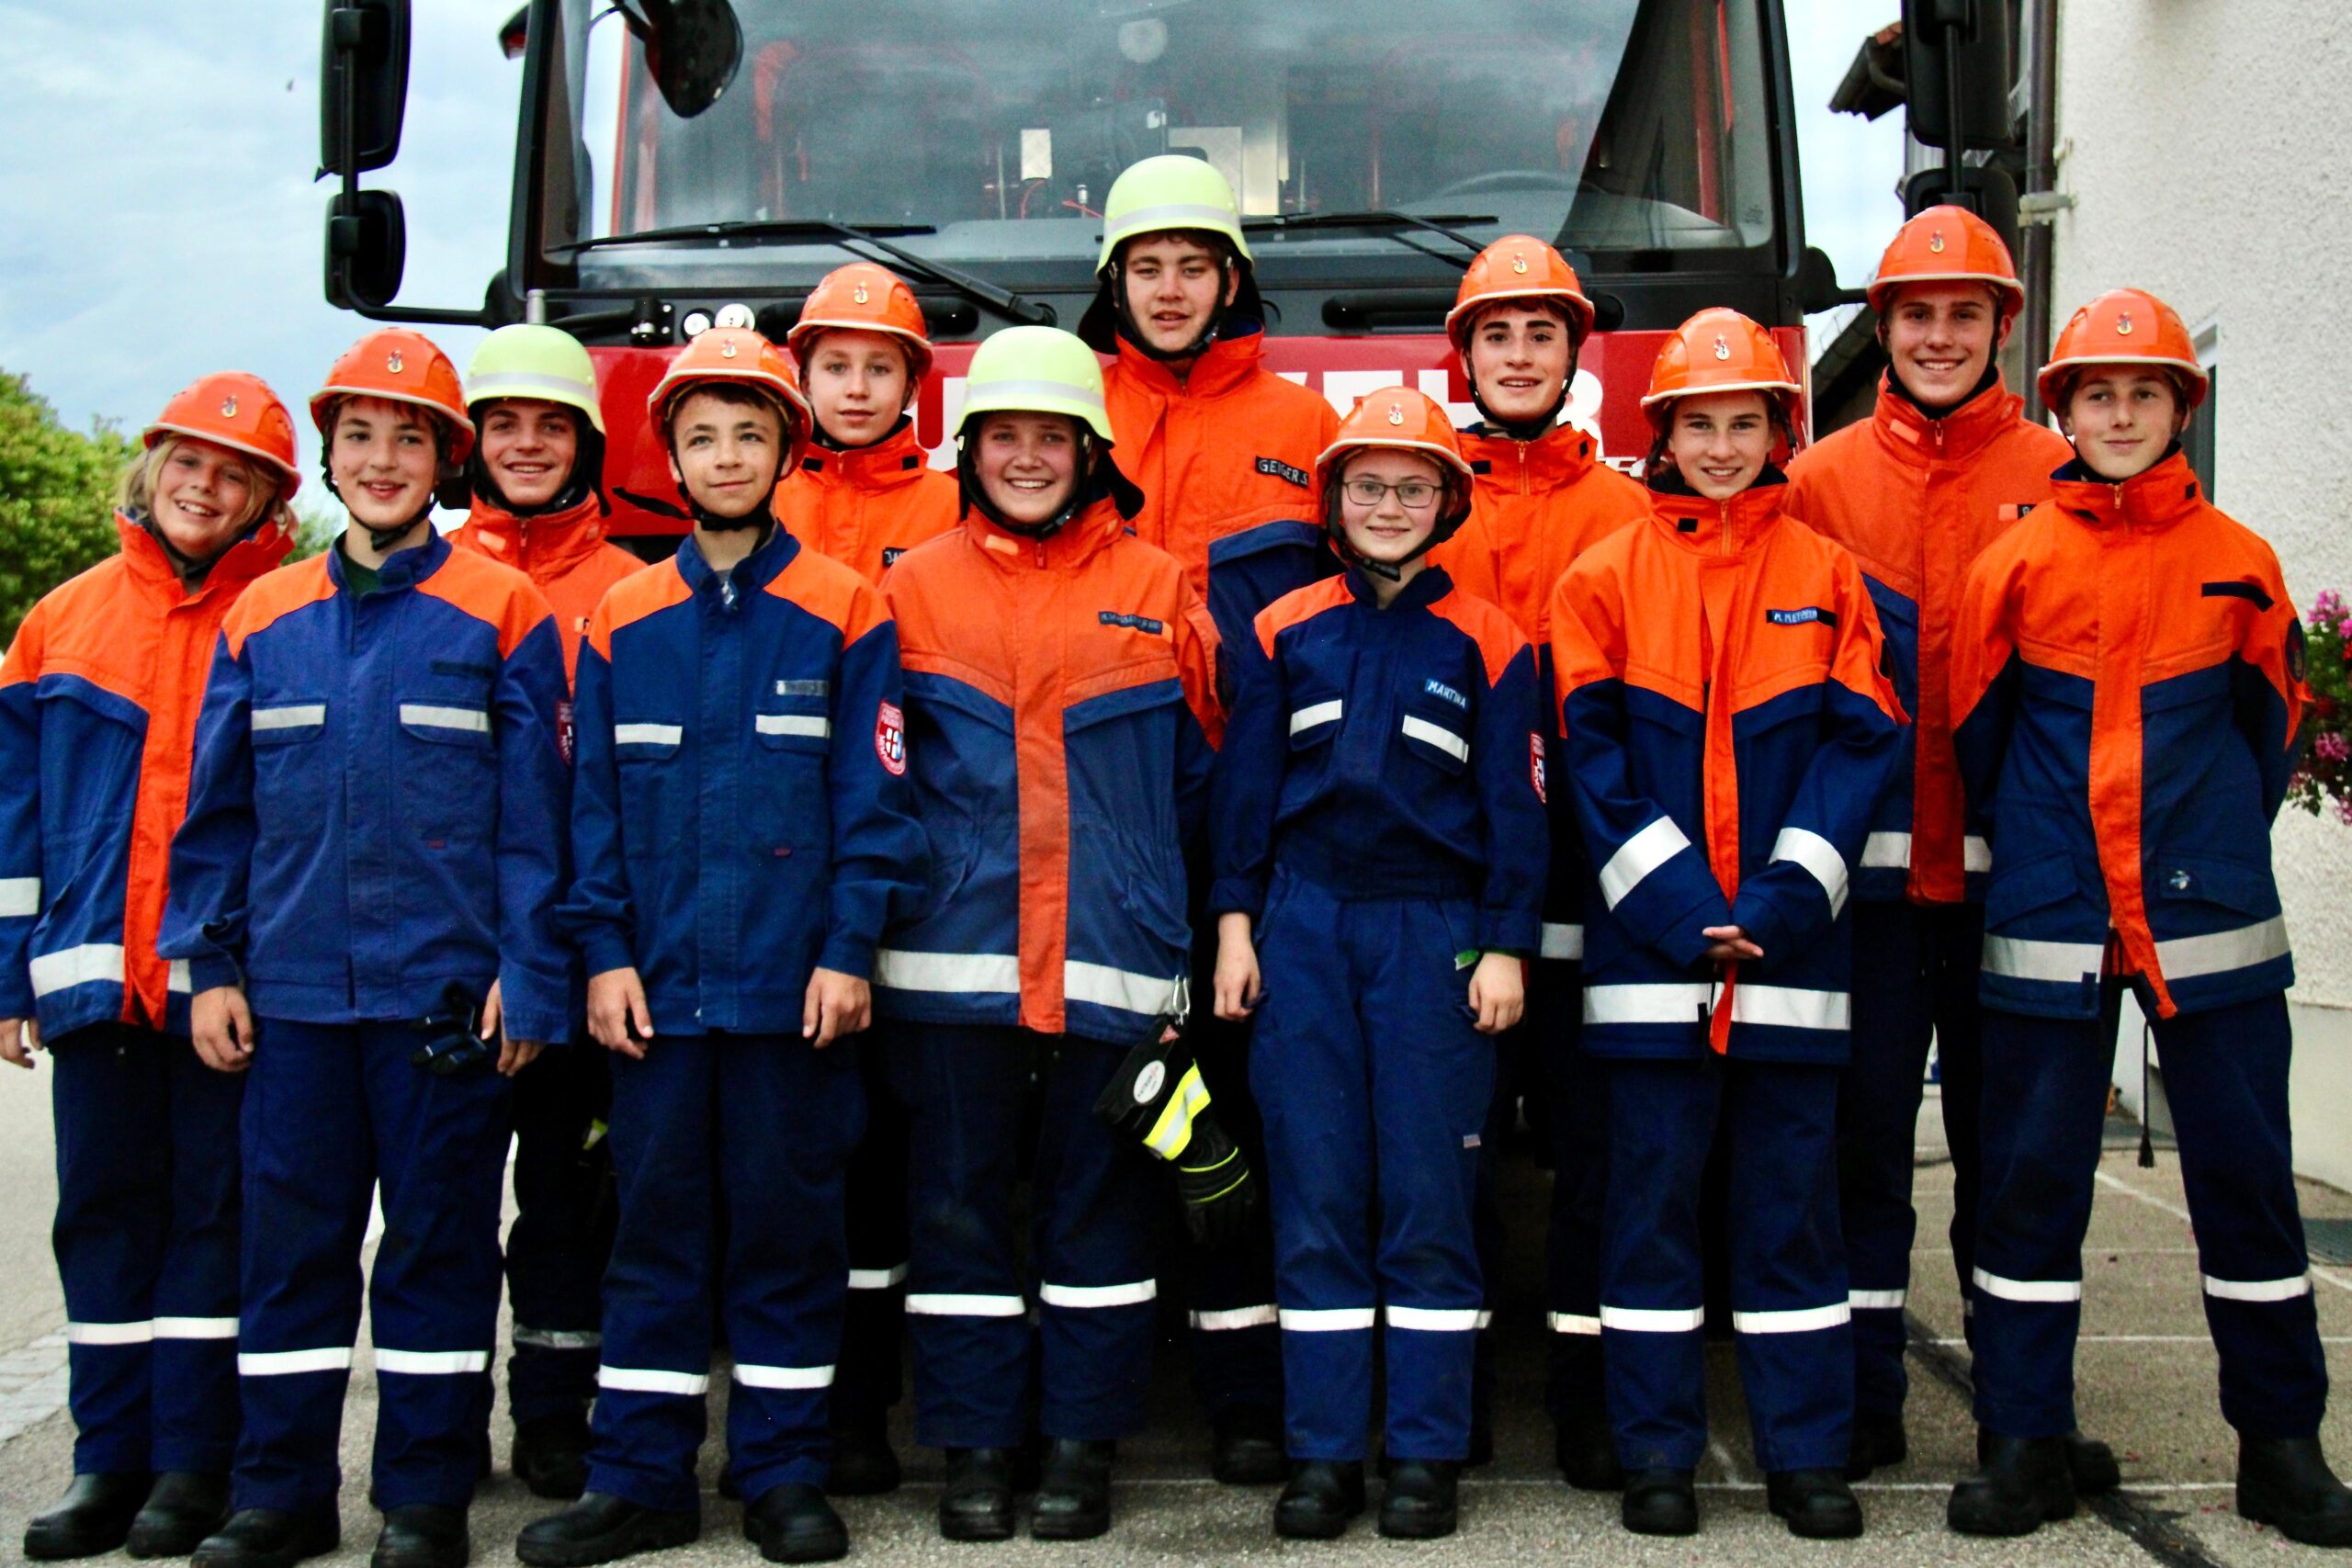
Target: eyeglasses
1411, 494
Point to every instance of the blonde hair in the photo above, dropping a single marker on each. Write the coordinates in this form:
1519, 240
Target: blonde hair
135, 491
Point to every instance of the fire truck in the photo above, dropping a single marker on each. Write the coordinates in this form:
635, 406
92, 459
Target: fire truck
681, 162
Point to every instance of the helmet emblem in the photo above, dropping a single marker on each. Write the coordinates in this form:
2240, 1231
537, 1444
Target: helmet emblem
229, 406
394, 364
1935, 241
727, 348
2123, 325
1517, 263
859, 294
1722, 348
1396, 413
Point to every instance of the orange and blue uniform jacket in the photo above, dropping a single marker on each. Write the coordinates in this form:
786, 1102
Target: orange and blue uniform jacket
1062, 720
2129, 680
1916, 500
741, 811
1225, 459
98, 720
565, 555
1537, 506
866, 506
1729, 733
1392, 753
379, 798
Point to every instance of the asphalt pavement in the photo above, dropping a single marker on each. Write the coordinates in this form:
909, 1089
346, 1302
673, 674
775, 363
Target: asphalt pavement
2146, 1375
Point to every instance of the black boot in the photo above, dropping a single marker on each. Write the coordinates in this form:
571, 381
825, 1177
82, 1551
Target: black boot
423, 1535
184, 1506
2285, 1482
1248, 1446
864, 1464
602, 1529
1879, 1443
1816, 1503
793, 1523
978, 1503
1073, 1490
1660, 1502
550, 1455
2092, 1464
1585, 1448
93, 1516
1322, 1497
2020, 1483
1420, 1501
271, 1538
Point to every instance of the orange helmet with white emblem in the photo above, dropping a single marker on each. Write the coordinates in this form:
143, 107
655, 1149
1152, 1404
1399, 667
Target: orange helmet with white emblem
1948, 244
1397, 419
1518, 266
401, 367
236, 409
742, 356
1719, 350
862, 297
2124, 326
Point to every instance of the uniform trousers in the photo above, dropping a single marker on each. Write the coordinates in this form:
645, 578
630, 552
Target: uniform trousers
562, 1234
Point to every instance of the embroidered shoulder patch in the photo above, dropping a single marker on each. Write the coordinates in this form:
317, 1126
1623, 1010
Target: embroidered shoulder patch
890, 736
1535, 766
1144, 624
1274, 467
1807, 616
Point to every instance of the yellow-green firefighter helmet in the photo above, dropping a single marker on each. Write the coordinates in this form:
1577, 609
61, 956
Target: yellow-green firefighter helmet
1171, 191
1035, 370
526, 361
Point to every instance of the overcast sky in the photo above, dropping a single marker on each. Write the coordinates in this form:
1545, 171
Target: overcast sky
160, 219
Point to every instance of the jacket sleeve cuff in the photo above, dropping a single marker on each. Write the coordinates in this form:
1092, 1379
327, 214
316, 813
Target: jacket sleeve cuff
604, 949
847, 954
1517, 932
533, 1009
1683, 940
210, 971
1767, 925
1238, 895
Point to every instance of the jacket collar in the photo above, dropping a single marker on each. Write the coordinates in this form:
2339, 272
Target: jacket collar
402, 569
152, 567
1904, 429
1429, 585
547, 544
752, 573
1724, 529
897, 459
1555, 461
1081, 538
1222, 368
2155, 498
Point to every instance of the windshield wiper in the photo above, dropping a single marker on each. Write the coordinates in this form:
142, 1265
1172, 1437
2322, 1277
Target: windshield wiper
1004, 302
1383, 218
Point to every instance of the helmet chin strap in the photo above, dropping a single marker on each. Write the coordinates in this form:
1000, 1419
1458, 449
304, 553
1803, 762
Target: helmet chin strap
1081, 489
1134, 333
383, 540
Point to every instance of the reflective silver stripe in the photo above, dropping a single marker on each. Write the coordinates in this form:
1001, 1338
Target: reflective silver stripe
1653, 1320
2259, 1289
1792, 1320
1638, 856
1086, 1297
2060, 963
1887, 852
287, 1363
811, 725
898, 970
1975, 854
75, 966
1434, 1320
432, 1363
1674, 1001
1313, 713
19, 895
1820, 857
1327, 1320
177, 977
195, 1328
295, 715
966, 1306
138, 1333
1235, 1317
1007, 394
647, 1379
648, 734
1877, 1300
1106, 987
431, 715
1790, 1007
524, 384
1562, 942
2043, 1291
1571, 1323
784, 1377
2186, 957
560, 1339
1436, 735
878, 1279
1167, 215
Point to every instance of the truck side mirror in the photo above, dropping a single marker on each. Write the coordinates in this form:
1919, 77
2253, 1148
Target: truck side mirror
366, 249
692, 47
363, 84
1957, 52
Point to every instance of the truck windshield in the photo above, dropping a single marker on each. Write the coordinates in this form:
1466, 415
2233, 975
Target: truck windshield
1636, 131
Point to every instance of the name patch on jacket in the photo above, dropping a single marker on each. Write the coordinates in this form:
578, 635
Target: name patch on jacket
1274, 467
1439, 689
1144, 624
890, 554
1807, 616
800, 688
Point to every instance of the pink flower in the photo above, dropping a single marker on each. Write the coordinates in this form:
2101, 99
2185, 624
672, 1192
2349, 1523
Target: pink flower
2328, 606
2331, 748
2344, 812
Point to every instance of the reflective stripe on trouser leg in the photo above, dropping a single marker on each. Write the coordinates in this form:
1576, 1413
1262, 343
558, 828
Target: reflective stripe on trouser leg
2225, 1078
1790, 1321
432, 1294
1878, 1116
561, 1237
1577, 1086
1511, 1051
874, 1314
194, 1397
2044, 1102
308, 1143
1236, 1348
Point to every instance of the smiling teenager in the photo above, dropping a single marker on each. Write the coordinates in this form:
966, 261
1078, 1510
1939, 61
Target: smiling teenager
98, 702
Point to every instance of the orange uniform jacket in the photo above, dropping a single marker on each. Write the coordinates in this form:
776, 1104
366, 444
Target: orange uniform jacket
98, 701
1916, 500
868, 506
565, 555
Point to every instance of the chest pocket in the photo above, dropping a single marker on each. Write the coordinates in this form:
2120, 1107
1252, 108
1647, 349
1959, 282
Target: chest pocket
452, 758
1315, 714
655, 796
1434, 725
289, 766
789, 805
